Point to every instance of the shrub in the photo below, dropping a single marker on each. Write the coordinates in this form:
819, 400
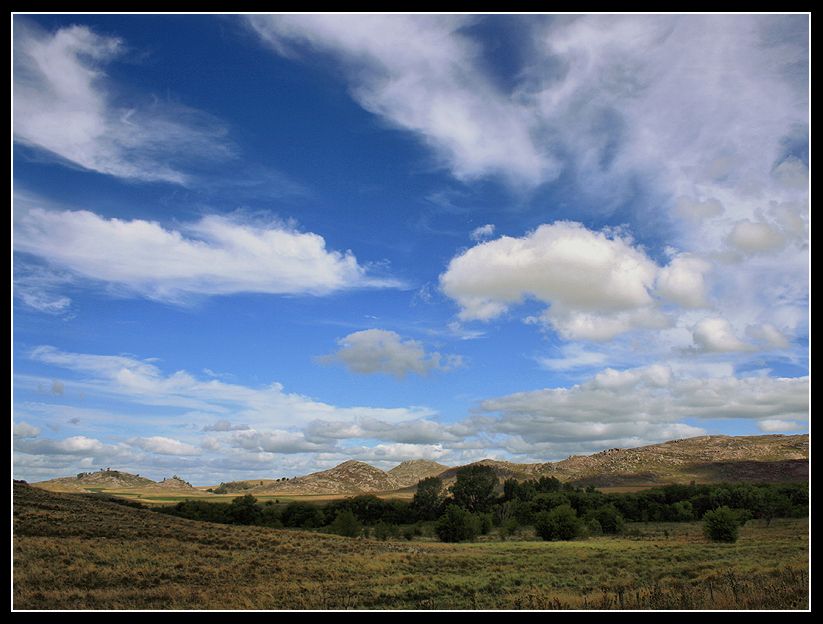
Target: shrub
610, 520
721, 525
384, 531
457, 525
561, 523
346, 524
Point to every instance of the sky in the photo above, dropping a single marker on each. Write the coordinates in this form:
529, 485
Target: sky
256, 246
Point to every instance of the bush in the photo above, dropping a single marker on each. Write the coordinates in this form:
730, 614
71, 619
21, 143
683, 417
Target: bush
721, 525
346, 524
384, 531
457, 525
561, 523
303, 515
610, 520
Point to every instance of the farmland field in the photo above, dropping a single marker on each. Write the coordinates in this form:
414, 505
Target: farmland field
75, 552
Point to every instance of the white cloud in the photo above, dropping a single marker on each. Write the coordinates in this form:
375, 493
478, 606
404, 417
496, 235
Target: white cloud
381, 351
75, 445
573, 356
682, 281
751, 238
216, 255
25, 430
596, 285
768, 336
277, 441
716, 335
64, 105
648, 403
393, 454
418, 431
773, 424
139, 381
164, 446
484, 231
421, 74
697, 210
225, 425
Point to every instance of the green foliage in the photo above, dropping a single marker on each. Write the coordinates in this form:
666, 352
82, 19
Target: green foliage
486, 523
721, 524
346, 524
384, 531
244, 510
302, 515
457, 525
561, 523
428, 500
475, 488
609, 519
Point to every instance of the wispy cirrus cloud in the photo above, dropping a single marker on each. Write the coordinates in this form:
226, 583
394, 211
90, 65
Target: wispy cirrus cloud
65, 106
421, 74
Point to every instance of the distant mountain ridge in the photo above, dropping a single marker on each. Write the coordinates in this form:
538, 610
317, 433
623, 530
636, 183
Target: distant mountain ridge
703, 459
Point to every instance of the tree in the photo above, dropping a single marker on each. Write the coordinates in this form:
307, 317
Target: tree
611, 521
475, 487
561, 523
428, 499
457, 525
721, 525
346, 524
244, 510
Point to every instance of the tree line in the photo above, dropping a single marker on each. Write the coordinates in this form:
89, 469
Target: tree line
475, 504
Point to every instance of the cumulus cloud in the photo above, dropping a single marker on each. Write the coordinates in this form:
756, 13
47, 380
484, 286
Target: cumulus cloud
750, 238
278, 441
772, 425
484, 231
648, 403
65, 106
418, 431
164, 446
768, 336
697, 210
75, 445
216, 255
381, 351
682, 281
716, 335
421, 74
596, 284
25, 430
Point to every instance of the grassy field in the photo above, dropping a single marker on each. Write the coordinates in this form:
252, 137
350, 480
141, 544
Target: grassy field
74, 552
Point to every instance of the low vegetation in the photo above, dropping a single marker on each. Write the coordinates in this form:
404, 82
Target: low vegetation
74, 551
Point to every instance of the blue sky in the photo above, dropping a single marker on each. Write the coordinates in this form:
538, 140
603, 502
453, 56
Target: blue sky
257, 246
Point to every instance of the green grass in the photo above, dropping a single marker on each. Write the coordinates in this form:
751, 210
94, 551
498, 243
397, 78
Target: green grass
74, 552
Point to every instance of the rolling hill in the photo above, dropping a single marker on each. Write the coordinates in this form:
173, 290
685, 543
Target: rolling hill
703, 459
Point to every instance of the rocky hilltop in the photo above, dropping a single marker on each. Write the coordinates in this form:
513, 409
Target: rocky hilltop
350, 477
410, 472
102, 479
704, 459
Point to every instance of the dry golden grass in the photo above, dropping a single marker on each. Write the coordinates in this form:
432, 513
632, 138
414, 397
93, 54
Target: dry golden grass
74, 552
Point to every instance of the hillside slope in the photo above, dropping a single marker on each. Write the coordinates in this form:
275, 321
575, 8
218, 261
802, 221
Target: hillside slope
351, 477
704, 459
102, 479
